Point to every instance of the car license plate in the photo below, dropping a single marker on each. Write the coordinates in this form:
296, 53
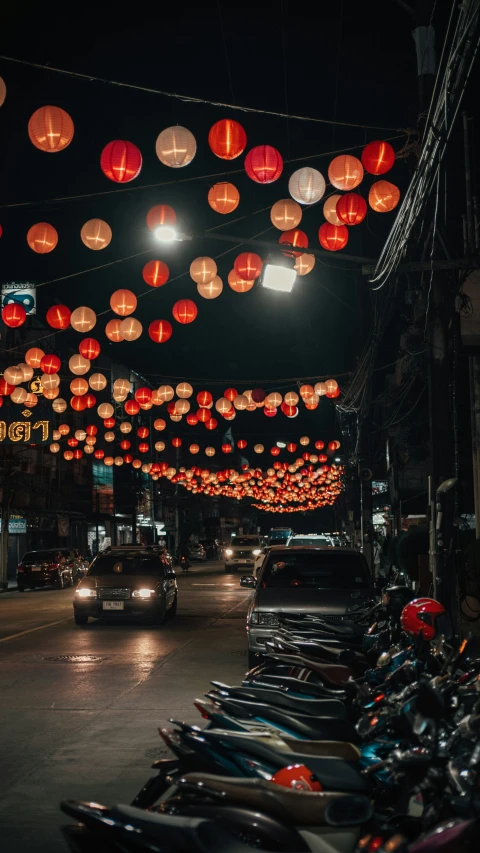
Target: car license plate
113, 605
36, 569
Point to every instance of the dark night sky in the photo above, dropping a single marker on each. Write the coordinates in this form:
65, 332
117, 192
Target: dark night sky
372, 80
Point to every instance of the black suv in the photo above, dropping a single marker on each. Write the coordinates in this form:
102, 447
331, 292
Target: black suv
53, 567
135, 581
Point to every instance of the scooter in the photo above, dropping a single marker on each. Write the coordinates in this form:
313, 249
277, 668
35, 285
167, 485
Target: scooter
184, 564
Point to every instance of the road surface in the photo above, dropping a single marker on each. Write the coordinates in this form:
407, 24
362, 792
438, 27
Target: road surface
80, 707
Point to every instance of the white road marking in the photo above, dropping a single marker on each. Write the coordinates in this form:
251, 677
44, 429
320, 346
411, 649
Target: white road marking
31, 630
204, 584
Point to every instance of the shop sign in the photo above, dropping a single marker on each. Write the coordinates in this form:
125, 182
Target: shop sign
23, 293
25, 431
16, 524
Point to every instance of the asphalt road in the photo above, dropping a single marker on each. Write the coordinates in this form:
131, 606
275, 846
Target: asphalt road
88, 728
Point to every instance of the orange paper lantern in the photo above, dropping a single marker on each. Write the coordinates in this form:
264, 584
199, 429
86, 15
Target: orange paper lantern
112, 331
330, 210
161, 214
42, 238
383, 196
50, 129
123, 302
286, 214
212, 289
294, 238
223, 197
345, 172
239, 284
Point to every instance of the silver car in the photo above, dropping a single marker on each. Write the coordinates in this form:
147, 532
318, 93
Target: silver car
299, 581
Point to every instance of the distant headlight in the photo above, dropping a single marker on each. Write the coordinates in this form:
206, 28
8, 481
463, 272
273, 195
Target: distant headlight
257, 552
228, 552
143, 593
86, 592
268, 619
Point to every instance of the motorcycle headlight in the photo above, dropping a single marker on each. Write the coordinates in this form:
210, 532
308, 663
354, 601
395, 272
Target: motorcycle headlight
228, 552
257, 552
143, 593
86, 592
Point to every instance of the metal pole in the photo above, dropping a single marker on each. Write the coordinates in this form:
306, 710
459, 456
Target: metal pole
468, 186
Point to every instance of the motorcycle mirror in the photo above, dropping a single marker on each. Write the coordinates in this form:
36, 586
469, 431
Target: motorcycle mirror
429, 703
248, 581
348, 811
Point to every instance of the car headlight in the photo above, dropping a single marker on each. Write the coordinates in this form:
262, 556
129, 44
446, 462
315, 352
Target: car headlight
228, 552
268, 619
86, 592
257, 552
143, 593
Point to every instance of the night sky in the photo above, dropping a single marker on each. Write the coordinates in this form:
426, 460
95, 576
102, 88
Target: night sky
352, 61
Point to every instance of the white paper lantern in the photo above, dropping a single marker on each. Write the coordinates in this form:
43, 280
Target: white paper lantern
307, 185
176, 147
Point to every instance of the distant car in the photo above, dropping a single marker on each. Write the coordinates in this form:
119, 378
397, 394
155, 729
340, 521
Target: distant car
197, 553
127, 580
52, 567
279, 535
300, 581
242, 552
320, 540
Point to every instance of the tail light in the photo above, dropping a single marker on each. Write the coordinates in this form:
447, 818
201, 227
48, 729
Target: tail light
20, 569
202, 710
52, 567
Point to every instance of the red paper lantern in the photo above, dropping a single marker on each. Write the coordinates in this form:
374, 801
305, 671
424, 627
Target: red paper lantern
14, 315
143, 395
185, 311
99, 454
291, 447
90, 401
161, 214
258, 395
227, 139
333, 394
125, 444
58, 317
77, 454
351, 208
176, 442
248, 265
275, 451
160, 331
143, 432
42, 238
72, 442
289, 411
89, 348
226, 448
212, 423
294, 237
264, 164
155, 273
319, 445
230, 394
241, 444
378, 157
78, 404
5, 388
121, 161
171, 409
192, 419
143, 447
128, 458
333, 237
50, 364
204, 398
91, 429
322, 458
269, 413
132, 407
109, 423
203, 415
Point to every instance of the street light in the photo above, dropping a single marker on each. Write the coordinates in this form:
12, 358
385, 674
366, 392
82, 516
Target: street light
281, 444
166, 234
278, 278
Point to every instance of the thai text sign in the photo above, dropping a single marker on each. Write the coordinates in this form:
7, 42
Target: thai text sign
25, 432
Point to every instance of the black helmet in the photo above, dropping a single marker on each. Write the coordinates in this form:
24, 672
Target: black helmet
394, 599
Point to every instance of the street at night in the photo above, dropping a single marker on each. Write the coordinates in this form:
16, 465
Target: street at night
240, 427
88, 729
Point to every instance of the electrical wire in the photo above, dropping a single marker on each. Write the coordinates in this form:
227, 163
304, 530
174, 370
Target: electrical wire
91, 78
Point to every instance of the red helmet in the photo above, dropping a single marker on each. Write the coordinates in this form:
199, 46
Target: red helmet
298, 777
427, 618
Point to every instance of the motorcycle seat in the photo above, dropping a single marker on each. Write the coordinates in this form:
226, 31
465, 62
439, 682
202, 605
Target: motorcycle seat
334, 674
303, 808
305, 725
325, 748
316, 707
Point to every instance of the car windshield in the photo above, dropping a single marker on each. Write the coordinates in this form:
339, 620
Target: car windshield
43, 556
245, 540
126, 565
280, 534
313, 540
329, 570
